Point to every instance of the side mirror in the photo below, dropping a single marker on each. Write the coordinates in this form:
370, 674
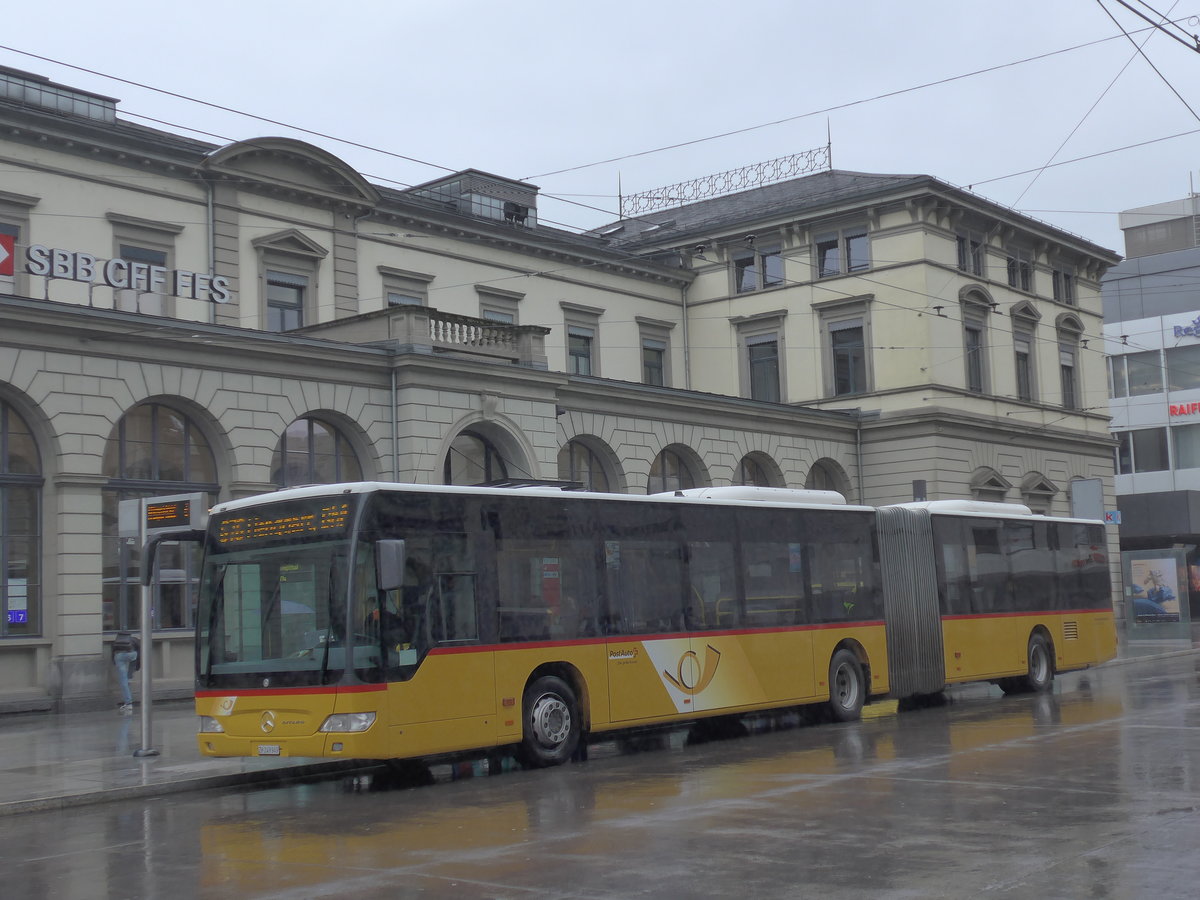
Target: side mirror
389, 564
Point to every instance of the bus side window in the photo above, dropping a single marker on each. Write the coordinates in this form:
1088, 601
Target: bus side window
712, 601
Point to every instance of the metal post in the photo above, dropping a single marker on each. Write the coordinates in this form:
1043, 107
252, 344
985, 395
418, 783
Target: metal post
145, 654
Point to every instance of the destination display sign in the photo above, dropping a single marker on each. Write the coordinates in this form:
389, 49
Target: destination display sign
329, 519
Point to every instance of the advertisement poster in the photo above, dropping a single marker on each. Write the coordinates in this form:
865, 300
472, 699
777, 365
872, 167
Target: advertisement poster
1155, 590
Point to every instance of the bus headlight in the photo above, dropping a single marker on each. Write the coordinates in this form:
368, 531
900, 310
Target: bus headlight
342, 722
209, 725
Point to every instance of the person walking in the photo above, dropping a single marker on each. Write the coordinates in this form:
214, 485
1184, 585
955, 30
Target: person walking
127, 657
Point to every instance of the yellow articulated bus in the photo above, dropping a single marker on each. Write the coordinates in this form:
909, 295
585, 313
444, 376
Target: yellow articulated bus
389, 621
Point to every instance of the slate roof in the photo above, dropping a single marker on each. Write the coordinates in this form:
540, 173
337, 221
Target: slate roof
810, 192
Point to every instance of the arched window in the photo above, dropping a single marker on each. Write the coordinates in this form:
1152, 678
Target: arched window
578, 462
670, 472
312, 451
20, 527
825, 475
473, 459
754, 469
154, 450
1070, 333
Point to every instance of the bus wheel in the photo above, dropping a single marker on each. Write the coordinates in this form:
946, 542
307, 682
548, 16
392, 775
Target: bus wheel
1041, 666
552, 723
847, 687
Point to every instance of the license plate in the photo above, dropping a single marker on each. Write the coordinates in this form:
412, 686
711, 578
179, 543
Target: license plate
268, 749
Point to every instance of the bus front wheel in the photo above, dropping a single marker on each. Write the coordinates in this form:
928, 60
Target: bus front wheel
552, 724
847, 687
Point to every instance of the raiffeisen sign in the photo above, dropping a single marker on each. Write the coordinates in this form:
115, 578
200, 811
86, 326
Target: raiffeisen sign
124, 274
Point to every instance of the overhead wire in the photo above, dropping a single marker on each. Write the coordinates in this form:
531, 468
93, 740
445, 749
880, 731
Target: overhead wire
1084, 117
835, 108
1157, 72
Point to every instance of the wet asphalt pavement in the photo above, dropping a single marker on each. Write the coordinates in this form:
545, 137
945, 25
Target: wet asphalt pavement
1092, 791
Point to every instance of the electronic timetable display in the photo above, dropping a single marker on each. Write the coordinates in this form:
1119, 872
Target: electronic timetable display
168, 514
327, 519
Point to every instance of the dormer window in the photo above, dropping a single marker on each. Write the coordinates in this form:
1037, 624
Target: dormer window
486, 196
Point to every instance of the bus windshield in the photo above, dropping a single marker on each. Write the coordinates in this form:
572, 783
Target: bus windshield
272, 613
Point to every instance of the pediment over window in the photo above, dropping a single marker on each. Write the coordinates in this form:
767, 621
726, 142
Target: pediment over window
288, 167
988, 484
291, 241
1025, 310
1036, 483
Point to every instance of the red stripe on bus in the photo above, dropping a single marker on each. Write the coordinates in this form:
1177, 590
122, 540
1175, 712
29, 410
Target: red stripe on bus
637, 639
1026, 615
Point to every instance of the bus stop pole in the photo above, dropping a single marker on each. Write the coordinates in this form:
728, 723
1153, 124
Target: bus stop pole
146, 651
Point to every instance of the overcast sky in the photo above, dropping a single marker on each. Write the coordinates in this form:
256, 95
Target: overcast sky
530, 89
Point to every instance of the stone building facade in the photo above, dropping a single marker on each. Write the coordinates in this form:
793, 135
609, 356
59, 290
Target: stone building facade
180, 317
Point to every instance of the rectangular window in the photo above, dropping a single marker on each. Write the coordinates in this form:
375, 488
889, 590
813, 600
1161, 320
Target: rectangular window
745, 271
143, 254
143, 243
829, 256
844, 251
1020, 269
858, 257
1116, 377
582, 327
763, 358
755, 269
1023, 359
653, 353
497, 305
1070, 386
1124, 453
970, 252
285, 300
138, 298
973, 351
1187, 446
404, 288
579, 350
1064, 285
1149, 449
848, 349
1183, 368
1138, 374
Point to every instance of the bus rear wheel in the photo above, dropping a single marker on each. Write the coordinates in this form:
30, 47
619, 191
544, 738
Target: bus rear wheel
551, 723
847, 687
